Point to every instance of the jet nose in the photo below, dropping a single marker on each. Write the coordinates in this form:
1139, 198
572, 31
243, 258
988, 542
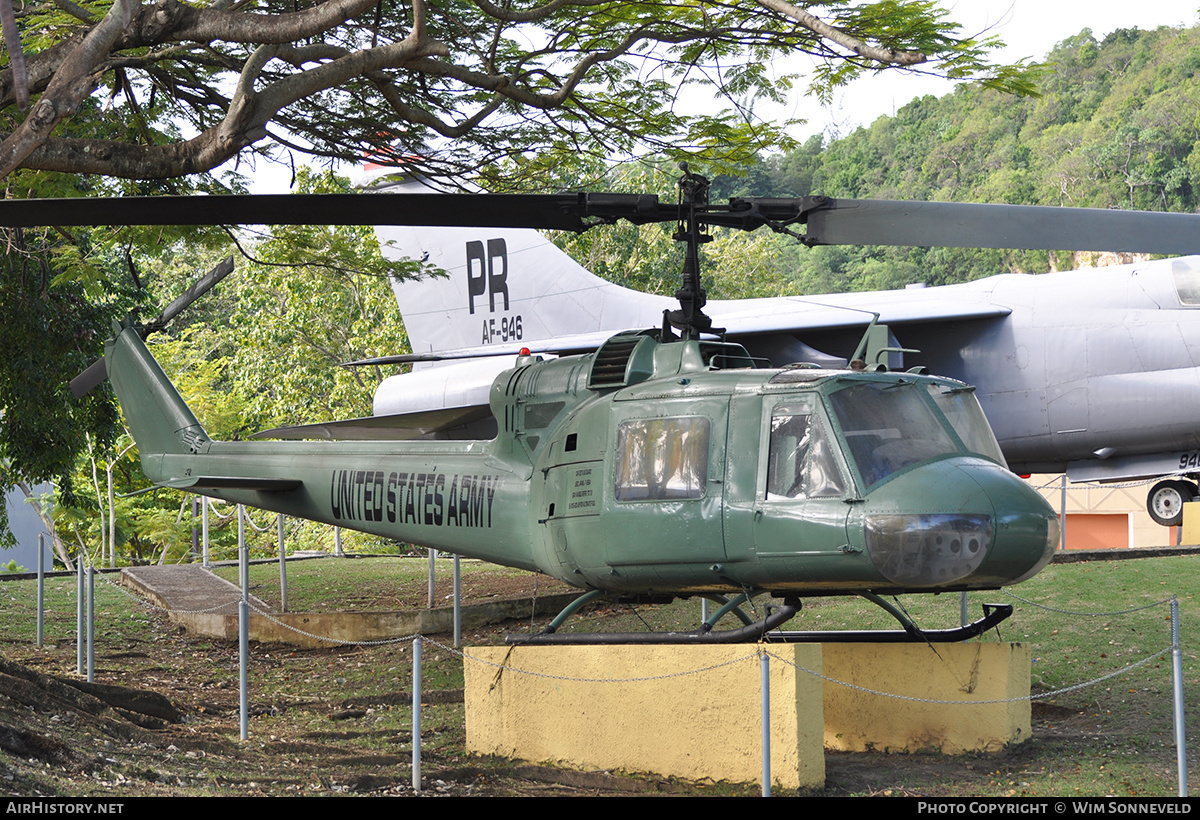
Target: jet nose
962, 522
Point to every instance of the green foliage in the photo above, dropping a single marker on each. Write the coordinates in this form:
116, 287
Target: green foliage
313, 298
51, 332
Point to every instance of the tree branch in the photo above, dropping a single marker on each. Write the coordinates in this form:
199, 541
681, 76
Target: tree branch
886, 56
71, 85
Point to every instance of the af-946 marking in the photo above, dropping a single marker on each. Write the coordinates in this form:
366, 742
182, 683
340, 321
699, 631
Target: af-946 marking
506, 329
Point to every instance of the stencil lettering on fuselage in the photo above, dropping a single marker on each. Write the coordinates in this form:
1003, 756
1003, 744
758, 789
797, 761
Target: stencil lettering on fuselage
487, 273
429, 499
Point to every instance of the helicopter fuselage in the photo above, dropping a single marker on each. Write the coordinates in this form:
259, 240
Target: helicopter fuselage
654, 469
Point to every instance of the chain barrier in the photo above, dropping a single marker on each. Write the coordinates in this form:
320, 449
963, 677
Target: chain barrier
1150, 605
757, 653
1056, 484
1030, 697
567, 678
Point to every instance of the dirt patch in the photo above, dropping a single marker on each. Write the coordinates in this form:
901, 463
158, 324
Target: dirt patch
338, 721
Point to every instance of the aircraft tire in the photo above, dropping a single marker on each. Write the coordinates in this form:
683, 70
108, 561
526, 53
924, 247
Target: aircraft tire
1166, 499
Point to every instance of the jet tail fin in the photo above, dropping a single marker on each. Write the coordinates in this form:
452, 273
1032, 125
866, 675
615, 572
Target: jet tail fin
504, 286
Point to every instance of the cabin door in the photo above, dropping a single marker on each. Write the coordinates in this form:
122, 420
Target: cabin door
663, 496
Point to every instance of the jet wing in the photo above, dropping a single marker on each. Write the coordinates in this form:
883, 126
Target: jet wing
397, 427
793, 314
738, 317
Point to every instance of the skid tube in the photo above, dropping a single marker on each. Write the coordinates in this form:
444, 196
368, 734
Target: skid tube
993, 615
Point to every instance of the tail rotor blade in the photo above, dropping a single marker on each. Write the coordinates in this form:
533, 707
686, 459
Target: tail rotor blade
96, 372
83, 384
202, 286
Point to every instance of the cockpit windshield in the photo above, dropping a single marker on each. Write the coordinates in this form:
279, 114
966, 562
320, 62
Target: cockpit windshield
891, 425
966, 417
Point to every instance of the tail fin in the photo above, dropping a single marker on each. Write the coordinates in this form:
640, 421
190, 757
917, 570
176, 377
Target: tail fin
504, 285
158, 417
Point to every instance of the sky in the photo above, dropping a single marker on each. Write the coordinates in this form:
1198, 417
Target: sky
1030, 28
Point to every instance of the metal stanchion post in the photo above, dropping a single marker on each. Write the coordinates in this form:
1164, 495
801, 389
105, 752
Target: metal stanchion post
282, 569
1062, 516
91, 624
204, 527
457, 604
195, 532
80, 639
765, 676
416, 716
243, 625
432, 557
1177, 681
41, 589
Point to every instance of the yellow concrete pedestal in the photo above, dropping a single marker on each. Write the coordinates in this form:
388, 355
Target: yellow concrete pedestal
1191, 523
693, 711
857, 721
690, 711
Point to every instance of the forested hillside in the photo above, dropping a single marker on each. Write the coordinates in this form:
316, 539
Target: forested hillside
1117, 125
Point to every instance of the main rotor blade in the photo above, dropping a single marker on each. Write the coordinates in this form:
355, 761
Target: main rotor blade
830, 221
546, 211
965, 225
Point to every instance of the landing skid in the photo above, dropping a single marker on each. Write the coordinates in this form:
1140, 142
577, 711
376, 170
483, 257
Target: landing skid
993, 615
763, 630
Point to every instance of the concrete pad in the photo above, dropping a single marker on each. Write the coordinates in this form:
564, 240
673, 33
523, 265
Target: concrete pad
187, 588
857, 721
686, 711
308, 629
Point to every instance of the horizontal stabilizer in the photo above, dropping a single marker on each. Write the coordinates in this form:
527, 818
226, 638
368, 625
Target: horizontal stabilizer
559, 346
398, 427
229, 482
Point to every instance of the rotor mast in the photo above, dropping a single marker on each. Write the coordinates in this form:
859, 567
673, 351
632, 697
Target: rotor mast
690, 319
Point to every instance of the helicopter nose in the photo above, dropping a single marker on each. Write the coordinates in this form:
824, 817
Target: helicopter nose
985, 528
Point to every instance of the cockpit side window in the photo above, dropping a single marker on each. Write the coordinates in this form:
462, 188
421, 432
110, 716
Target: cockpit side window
800, 460
662, 459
